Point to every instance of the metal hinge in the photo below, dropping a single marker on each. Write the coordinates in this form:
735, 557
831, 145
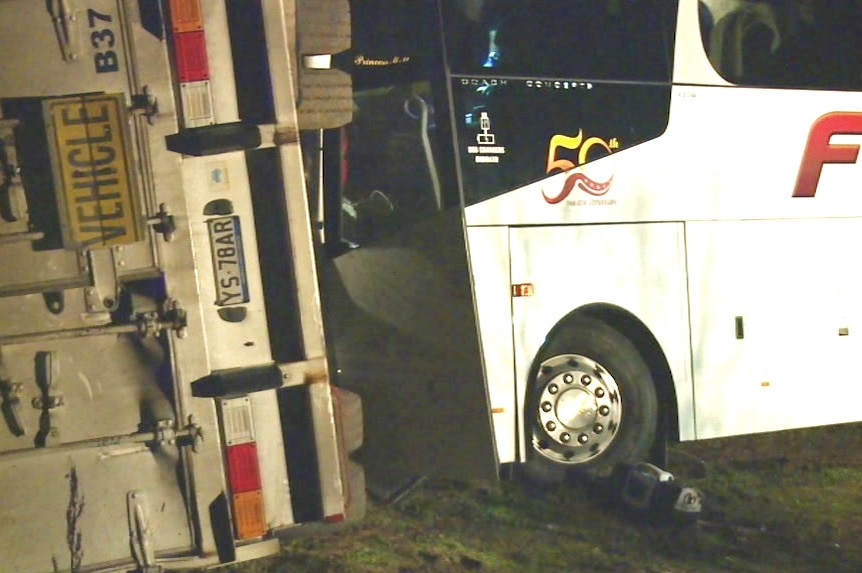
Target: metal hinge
65, 21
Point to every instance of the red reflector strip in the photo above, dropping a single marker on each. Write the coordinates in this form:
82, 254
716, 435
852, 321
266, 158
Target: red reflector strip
337, 518
242, 467
191, 53
248, 515
186, 15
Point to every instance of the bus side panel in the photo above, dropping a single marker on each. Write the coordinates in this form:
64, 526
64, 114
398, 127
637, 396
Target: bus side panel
637, 267
489, 261
775, 318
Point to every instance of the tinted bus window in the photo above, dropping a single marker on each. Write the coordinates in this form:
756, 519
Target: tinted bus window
396, 166
610, 39
507, 133
541, 86
785, 43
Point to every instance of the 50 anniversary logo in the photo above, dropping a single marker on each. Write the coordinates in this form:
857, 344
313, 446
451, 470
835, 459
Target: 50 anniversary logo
593, 187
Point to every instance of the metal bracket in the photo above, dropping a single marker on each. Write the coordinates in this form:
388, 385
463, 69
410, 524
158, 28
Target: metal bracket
47, 373
10, 393
145, 104
170, 315
104, 292
13, 202
166, 434
163, 223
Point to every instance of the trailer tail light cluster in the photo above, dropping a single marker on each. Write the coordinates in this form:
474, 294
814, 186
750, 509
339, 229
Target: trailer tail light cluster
243, 468
190, 62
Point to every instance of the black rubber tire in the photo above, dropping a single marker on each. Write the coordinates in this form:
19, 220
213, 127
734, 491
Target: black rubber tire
596, 340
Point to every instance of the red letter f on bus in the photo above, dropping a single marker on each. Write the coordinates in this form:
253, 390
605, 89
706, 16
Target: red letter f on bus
819, 152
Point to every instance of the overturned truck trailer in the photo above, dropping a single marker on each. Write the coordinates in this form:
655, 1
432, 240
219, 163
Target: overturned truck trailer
165, 392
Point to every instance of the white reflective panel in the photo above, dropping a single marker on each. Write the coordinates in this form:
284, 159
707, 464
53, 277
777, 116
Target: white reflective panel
237, 421
197, 103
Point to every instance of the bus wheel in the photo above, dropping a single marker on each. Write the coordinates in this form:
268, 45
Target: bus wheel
592, 404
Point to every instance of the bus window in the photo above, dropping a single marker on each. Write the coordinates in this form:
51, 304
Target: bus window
784, 43
538, 88
595, 39
393, 171
518, 131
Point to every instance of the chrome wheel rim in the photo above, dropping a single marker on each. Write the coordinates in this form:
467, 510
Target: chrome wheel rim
578, 411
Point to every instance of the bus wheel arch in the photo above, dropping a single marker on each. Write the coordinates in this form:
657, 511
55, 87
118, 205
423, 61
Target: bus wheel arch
573, 420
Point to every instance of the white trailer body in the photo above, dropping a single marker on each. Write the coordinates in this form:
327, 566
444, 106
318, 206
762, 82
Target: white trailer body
157, 412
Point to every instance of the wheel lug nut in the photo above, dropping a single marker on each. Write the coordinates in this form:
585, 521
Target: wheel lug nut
565, 438
546, 406
598, 428
551, 426
553, 389
568, 378
604, 410
585, 380
600, 392
583, 438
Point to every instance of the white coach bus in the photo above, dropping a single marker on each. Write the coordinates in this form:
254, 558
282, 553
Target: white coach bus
630, 221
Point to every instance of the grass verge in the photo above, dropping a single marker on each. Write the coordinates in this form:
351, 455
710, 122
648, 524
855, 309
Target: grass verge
787, 502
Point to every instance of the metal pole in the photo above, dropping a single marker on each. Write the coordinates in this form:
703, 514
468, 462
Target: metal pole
20, 237
109, 441
69, 333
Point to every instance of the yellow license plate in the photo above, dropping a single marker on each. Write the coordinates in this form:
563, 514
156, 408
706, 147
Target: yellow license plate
92, 163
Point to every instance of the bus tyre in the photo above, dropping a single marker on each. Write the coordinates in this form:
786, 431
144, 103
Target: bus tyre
591, 405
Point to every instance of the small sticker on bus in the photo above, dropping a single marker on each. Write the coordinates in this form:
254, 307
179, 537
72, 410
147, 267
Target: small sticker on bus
523, 289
